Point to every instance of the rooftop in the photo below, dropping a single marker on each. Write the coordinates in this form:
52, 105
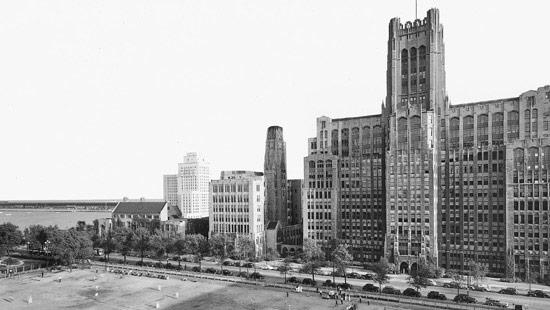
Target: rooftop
145, 207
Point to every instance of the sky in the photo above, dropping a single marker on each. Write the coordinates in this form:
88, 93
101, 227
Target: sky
100, 99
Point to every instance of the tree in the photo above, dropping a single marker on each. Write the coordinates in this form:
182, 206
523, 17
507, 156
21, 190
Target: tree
124, 237
341, 259
313, 256
109, 244
198, 246
419, 277
478, 271
161, 244
142, 241
381, 270
179, 246
244, 246
285, 268
456, 279
10, 236
67, 246
221, 246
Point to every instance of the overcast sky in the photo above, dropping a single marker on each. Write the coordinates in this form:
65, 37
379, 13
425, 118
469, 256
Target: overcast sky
100, 99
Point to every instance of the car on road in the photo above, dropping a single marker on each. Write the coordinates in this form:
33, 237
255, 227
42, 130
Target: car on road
268, 267
480, 288
211, 270
465, 299
196, 269
228, 263
391, 290
369, 287
226, 272
329, 283
256, 275
454, 285
345, 286
431, 282
411, 292
367, 276
508, 291
538, 293
436, 295
495, 303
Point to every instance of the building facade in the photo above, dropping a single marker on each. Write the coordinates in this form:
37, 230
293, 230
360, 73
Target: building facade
193, 186
237, 207
454, 184
170, 189
276, 208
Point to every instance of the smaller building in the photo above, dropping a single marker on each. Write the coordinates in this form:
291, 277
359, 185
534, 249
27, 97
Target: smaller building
170, 188
237, 206
148, 214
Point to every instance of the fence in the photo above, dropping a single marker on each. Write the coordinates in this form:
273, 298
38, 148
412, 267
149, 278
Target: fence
438, 304
9, 271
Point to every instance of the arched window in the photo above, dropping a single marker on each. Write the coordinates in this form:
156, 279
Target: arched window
404, 71
527, 123
413, 70
482, 129
468, 131
355, 137
311, 164
345, 142
402, 133
334, 138
535, 124
416, 131
422, 69
366, 139
377, 139
454, 131
497, 123
513, 125
320, 164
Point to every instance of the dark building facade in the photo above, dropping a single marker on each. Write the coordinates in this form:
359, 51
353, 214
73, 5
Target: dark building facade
276, 206
425, 179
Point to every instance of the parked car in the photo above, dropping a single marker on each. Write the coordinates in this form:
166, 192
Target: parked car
367, 276
495, 303
226, 272
454, 285
353, 275
196, 269
248, 265
369, 287
431, 282
268, 267
391, 290
508, 291
228, 263
294, 280
436, 295
465, 299
411, 292
256, 275
345, 286
538, 293
211, 270
329, 283
308, 281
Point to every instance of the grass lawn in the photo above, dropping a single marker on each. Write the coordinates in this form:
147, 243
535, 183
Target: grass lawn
77, 290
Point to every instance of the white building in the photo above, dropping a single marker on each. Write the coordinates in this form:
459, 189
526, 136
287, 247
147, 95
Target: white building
170, 186
193, 186
237, 206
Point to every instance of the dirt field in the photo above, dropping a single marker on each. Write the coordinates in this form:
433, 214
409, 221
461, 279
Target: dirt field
77, 290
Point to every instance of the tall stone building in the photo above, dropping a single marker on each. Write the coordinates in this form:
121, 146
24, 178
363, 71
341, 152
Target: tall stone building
425, 179
193, 186
276, 209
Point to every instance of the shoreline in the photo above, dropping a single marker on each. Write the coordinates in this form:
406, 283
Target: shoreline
54, 210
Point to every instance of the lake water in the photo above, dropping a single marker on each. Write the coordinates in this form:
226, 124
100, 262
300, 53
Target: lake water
63, 219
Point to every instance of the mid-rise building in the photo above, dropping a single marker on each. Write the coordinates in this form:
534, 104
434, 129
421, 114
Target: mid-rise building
193, 186
170, 188
237, 207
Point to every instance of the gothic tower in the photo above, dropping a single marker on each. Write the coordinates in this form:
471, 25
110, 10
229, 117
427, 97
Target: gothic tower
275, 177
416, 97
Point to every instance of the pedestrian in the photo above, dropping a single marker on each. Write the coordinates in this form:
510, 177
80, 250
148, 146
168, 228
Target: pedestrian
368, 302
360, 301
42, 274
341, 300
287, 294
185, 267
336, 300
